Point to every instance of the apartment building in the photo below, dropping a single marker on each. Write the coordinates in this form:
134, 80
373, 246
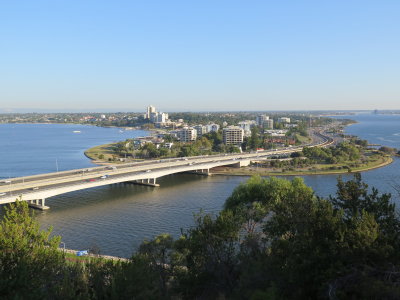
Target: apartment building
232, 135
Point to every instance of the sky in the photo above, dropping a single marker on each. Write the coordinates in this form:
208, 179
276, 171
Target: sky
95, 55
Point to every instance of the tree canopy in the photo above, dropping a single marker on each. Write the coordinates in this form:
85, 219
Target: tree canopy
274, 239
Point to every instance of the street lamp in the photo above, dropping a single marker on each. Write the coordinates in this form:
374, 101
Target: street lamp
63, 246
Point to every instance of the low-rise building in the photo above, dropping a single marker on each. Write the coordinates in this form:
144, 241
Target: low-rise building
246, 126
212, 127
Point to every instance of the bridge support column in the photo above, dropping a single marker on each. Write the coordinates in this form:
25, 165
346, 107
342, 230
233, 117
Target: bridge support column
38, 204
203, 172
148, 182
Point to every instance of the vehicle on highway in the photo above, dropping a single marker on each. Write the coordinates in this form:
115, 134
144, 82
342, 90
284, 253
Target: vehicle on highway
6, 181
104, 176
190, 164
147, 171
91, 180
35, 188
2, 194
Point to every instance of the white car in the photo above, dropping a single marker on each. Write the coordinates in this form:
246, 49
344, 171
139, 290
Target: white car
148, 171
2, 194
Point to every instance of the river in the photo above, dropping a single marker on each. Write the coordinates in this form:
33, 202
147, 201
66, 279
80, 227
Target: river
117, 218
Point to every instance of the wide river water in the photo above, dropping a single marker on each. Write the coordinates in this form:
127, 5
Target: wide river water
117, 218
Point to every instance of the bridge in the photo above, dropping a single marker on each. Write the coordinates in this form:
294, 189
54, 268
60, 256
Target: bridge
37, 188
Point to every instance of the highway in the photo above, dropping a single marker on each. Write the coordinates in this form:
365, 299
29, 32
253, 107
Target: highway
50, 184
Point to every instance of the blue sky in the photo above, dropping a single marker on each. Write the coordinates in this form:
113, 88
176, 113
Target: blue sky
199, 55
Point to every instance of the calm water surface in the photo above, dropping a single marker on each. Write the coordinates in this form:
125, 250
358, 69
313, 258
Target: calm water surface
117, 218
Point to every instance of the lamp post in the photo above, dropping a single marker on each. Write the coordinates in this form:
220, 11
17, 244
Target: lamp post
63, 246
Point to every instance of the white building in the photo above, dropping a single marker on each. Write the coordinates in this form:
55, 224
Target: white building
187, 134
269, 124
260, 119
232, 135
284, 120
161, 117
200, 129
212, 127
246, 126
150, 109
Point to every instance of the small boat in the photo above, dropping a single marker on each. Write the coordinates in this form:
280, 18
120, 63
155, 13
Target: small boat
76, 131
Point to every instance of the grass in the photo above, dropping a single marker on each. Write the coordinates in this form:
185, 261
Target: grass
321, 169
102, 152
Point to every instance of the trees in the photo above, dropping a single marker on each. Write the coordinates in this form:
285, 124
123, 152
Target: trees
388, 150
30, 262
254, 141
209, 252
274, 239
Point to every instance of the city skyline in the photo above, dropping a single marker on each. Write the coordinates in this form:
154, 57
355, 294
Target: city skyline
98, 56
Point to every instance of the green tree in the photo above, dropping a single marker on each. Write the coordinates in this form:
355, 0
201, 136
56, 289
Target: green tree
254, 140
30, 263
209, 252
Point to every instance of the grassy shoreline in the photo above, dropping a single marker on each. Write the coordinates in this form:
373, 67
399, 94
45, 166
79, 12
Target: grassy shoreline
246, 171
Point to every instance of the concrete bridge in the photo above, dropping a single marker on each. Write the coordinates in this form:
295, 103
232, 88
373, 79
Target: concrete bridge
35, 189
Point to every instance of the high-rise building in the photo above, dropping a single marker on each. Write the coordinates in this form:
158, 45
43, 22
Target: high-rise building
269, 124
150, 109
161, 117
200, 129
232, 135
187, 134
260, 119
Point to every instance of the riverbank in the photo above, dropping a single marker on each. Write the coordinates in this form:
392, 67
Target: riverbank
250, 171
101, 154
105, 155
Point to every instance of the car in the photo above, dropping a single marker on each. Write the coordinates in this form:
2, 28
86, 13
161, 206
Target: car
2, 194
190, 164
35, 188
6, 181
91, 180
148, 171
104, 176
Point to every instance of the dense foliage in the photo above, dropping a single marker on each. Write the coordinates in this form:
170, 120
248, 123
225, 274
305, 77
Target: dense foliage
274, 239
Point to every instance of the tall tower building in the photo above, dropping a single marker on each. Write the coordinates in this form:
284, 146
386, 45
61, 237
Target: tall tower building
150, 109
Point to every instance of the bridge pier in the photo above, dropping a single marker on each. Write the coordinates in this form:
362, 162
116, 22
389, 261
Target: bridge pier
148, 182
38, 204
203, 172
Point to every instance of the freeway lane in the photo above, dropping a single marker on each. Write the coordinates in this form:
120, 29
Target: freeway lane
87, 178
